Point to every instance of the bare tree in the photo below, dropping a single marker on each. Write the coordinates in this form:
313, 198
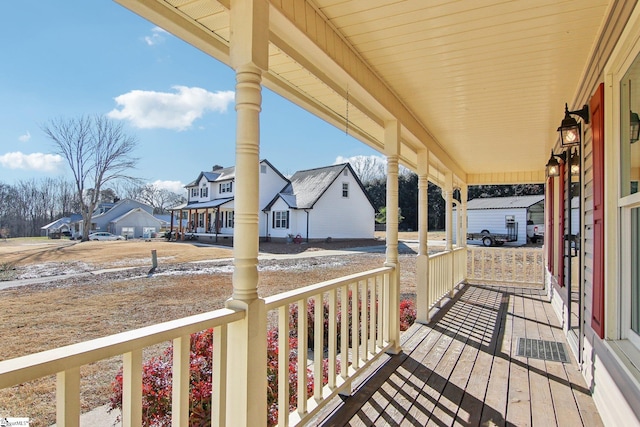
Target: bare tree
160, 199
98, 151
368, 168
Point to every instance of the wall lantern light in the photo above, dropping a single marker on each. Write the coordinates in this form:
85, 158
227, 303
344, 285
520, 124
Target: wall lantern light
634, 131
570, 130
553, 166
574, 163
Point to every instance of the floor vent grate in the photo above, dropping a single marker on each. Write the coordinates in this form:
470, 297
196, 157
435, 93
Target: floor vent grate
545, 350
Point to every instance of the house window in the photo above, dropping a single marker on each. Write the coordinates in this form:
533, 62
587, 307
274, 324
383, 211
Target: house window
629, 149
345, 172
345, 189
635, 270
204, 192
280, 219
226, 187
194, 192
229, 219
128, 232
629, 202
263, 168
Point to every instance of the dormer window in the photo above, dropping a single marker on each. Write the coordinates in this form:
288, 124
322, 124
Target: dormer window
194, 192
226, 187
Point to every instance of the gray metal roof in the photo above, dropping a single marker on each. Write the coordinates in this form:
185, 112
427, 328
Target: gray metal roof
208, 204
290, 200
514, 202
309, 185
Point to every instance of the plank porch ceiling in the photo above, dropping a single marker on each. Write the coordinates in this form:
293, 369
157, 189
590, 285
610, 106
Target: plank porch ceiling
485, 80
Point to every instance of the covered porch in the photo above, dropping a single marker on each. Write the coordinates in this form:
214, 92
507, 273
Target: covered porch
461, 93
469, 367
209, 221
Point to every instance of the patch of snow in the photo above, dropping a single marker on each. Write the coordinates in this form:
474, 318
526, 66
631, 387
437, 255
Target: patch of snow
49, 269
301, 266
207, 270
137, 261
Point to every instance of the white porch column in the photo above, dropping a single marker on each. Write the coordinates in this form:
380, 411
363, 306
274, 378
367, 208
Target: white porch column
464, 195
392, 150
422, 262
246, 362
462, 240
447, 193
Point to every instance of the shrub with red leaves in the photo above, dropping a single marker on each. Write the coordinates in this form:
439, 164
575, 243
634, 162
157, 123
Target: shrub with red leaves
157, 372
407, 314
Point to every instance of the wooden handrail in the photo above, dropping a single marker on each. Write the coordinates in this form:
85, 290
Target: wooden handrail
26, 368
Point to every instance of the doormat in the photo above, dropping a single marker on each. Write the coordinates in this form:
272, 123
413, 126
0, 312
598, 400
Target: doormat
546, 350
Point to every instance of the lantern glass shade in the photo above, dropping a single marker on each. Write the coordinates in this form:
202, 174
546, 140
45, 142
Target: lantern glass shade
570, 134
553, 167
634, 128
575, 164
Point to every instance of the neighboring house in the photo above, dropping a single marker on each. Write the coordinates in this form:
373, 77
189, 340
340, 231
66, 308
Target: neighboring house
60, 226
209, 206
126, 217
117, 220
315, 204
321, 203
503, 215
136, 222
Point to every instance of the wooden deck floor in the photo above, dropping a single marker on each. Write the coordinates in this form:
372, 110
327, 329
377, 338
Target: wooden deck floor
462, 369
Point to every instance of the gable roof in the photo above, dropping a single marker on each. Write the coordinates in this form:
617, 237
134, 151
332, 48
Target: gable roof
113, 209
306, 187
57, 223
135, 211
513, 202
223, 174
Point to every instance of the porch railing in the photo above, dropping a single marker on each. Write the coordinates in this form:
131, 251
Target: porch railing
356, 333
446, 271
360, 301
522, 266
65, 363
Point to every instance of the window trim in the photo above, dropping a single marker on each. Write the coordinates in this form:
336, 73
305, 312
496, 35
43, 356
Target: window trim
345, 190
225, 187
278, 222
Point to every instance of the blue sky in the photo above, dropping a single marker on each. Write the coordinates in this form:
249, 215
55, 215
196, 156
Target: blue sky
68, 58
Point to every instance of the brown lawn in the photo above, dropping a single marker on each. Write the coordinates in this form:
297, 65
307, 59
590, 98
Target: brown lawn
61, 312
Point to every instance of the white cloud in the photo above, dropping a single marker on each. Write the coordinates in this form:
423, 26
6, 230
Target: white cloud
175, 186
36, 161
24, 138
157, 36
178, 111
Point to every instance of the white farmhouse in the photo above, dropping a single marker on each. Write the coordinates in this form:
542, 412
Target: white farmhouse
327, 202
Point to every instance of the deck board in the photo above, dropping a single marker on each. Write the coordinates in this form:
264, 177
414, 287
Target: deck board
462, 369
542, 407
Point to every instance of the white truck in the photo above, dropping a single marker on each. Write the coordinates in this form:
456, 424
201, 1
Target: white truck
535, 232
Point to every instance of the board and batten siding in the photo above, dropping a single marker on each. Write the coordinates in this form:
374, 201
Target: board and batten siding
279, 205
341, 218
270, 183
